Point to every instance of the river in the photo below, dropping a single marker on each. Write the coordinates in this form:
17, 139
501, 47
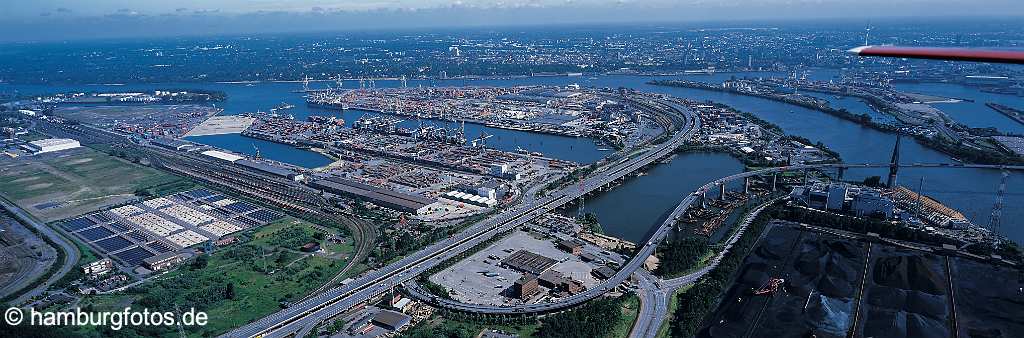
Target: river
632, 209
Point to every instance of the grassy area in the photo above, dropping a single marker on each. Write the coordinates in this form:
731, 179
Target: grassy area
78, 181
239, 283
630, 308
673, 305
438, 326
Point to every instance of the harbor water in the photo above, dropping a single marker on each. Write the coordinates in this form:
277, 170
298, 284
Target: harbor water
631, 210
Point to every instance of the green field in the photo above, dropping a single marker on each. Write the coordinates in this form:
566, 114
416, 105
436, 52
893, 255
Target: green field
240, 283
78, 181
630, 308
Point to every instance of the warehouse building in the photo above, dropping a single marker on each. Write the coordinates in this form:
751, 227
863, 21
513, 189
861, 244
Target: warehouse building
386, 198
528, 262
603, 272
525, 287
171, 144
162, 261
571, 246
390, 320
223, 156
51, 145
270, 169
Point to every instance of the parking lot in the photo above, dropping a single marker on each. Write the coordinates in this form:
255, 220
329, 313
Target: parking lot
480, 279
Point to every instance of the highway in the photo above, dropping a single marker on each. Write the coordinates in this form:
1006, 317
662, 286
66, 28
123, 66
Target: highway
334, 301
313, 310
71, 253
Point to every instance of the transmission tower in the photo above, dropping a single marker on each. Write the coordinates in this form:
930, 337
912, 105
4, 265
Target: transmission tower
997, 210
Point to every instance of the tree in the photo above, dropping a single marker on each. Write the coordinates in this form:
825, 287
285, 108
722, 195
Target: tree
229, 291
589, 221
873, 181
200, 262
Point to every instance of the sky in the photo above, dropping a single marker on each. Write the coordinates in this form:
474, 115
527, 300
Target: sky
49, 20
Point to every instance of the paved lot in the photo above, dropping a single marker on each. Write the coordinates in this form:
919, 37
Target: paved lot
469, 283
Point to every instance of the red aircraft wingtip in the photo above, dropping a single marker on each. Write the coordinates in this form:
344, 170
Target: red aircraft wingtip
951, 54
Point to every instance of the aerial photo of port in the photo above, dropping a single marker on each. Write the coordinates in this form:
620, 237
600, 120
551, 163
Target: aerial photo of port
502, 169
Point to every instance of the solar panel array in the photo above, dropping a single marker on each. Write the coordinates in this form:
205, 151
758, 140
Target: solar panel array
132, 233
188, 215
127, 210
221, 228
134, 256
200, 193
265, 216
241, 207
114, 243
78, 224
95, 233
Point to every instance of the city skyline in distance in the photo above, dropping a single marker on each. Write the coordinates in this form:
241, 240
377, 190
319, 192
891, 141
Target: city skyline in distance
61, 20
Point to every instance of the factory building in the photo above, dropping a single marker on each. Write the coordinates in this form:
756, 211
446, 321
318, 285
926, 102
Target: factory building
871, 202
571, 246
171, 144
842, 197
528, 262
822, 196
488, 190
525, 286
270, 169
51, 145
837, 193
386, 198
162, 261
98, 268
470, 199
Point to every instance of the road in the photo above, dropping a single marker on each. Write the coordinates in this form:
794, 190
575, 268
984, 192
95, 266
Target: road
654, 292
71, 253
334, 301
316, 309
658, 235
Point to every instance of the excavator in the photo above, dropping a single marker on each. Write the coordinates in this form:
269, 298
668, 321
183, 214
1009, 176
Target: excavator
770, 287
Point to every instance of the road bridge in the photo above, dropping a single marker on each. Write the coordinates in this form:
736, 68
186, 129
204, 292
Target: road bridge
664, 229
332, 302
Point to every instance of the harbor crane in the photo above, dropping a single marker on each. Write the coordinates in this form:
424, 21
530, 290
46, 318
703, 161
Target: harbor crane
480, 141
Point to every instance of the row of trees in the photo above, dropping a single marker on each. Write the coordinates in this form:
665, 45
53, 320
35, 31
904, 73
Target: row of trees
703, 297
595, 319
681, 255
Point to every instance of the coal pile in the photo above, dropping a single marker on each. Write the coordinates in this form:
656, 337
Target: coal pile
821, 275
905, 295
739, 307
989, 299
821, 289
